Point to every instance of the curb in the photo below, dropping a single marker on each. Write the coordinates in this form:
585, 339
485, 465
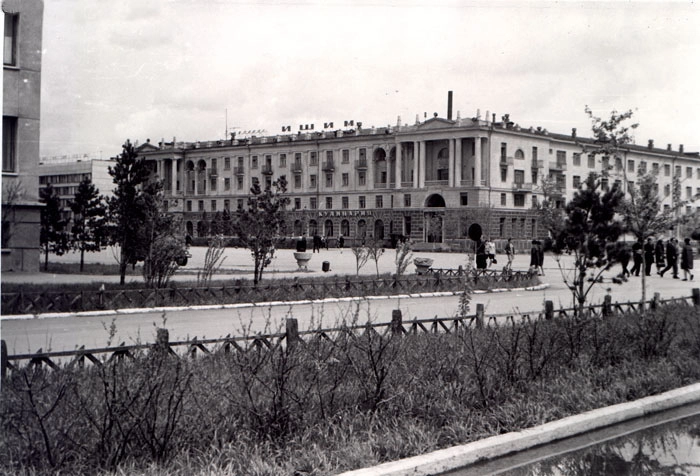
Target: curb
211, 307
456, 457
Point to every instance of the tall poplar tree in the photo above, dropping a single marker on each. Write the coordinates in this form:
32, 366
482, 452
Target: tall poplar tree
89, 229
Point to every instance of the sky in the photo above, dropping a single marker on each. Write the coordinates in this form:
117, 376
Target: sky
159, 69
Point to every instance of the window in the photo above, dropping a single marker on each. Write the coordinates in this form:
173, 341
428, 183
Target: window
577, 159
346, 179
504, 150
227, 163
363, 154
256, 181
503, 199
519, 200
697, 173
534, 176
283, 160
534, 154
678, 171
227, 205
642, 167
313, 158
361, 200
10, 49
254, 162
268, 182
464, 199
591, 161
519, 176
576, 181
213, 205
227, 184
9, 142
605, 162
345, 202
313, 204
239, 204
212, 184
200, 205
688, 192
329, 180
379, 201
504, 174
297, 203
312, 181
630, 165
534, 201
297, 181
406, 199
655, 167
346, 156
561, 157
519, 154
239, 183
667, 170
329, 156
189, 205
667, 190
361, 178
688, 172
329, 203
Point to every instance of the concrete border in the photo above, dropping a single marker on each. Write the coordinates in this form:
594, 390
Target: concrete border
456, 457
209, 307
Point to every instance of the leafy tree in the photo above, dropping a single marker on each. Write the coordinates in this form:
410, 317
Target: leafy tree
261, 226
161, 245
589, 225
53, 235
126, 217
551, 217
89, 230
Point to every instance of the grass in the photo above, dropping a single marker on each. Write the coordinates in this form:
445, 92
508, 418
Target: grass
324, 407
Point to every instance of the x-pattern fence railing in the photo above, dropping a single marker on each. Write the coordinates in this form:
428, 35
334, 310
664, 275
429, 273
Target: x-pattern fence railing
241, 292
291, 336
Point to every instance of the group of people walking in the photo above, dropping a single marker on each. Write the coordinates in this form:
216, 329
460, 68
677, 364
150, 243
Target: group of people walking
664, 255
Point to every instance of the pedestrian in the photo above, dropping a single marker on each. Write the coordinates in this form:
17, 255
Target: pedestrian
510, 254
341, 241
660, 255
540, 257
481, 255
623, 256
637, 257
490, 251
301, 244
534, 257
687, 260
326, 239
648, 256
316, 243
671, 258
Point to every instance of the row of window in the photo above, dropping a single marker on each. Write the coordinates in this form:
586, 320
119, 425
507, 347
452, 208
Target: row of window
282, 159
64, 178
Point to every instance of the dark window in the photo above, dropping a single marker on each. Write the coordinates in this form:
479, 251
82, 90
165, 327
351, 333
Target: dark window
9, 143
10, 49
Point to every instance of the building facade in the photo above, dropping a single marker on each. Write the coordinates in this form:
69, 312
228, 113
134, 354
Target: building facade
429, 181
20, 134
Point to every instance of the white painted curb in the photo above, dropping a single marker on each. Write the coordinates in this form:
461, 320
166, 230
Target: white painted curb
457, 457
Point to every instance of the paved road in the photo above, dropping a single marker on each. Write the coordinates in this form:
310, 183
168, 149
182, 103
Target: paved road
69, 332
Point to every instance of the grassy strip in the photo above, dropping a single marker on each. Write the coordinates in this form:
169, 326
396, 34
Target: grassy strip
325, 407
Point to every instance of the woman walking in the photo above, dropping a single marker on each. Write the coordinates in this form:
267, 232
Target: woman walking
660, 255
687, 260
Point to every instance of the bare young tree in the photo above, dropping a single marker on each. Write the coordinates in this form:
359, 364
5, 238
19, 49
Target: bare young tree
375, 251
361, 253
213, 259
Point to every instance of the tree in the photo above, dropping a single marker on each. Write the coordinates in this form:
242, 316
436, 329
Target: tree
261, 226
550, 215
126, 218
12, 194
375, 250
590, 223
161, 245
89, 230
53, 235
361, 253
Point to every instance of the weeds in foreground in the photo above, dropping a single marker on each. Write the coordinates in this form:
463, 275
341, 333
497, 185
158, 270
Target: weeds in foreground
351, 399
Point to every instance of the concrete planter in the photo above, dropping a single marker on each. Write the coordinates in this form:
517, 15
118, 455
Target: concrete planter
302, 260
422, 265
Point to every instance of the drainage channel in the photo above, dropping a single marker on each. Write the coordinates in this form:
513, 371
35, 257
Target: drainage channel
667, 442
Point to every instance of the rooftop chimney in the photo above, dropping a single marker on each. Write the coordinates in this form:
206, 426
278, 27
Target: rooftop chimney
651, 143
573, 132
680, 148
449, 105
668, 147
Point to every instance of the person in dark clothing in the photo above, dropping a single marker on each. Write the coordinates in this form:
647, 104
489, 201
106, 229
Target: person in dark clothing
648, 256
301, 244
481, 255
341, 241
534, 256
637, 256
621, 253
671, 258
687, 260
317, 243
660, 255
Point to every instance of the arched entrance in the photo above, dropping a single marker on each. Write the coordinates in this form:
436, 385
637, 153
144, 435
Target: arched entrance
313, 227
328, 228
362, 230
298, 231
378, 230
434, 219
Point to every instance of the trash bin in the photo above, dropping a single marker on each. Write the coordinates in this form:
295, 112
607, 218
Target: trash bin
326, 266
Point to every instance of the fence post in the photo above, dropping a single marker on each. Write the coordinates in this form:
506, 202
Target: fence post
655, 301
548, 310
3, 359
696, 296
292, 334
162, 340
396, 322
479, 316
607, 305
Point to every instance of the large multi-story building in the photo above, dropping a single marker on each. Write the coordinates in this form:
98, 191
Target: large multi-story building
20, 134
429, 181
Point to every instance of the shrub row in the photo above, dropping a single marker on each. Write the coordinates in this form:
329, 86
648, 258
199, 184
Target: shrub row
328, 406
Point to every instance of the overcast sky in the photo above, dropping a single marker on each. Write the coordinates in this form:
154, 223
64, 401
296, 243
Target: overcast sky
156, 69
